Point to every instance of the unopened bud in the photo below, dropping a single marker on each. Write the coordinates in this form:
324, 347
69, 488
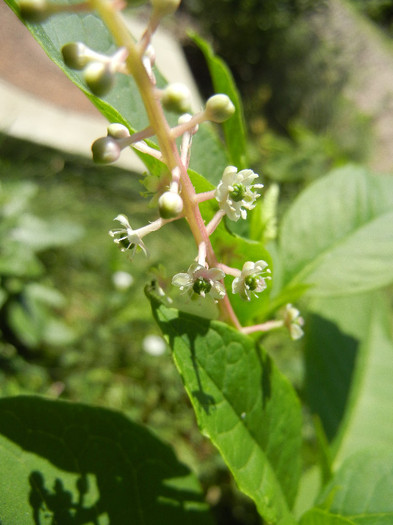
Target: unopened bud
118, 131
35, 10
170, 205
75, 55
176, 97
164, 7
105, 150
99, 78
219, 108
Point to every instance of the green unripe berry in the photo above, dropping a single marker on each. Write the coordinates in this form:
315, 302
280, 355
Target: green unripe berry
75, 55
201, 285
99, 78
165, 7
176, 97
238, 192
105, 150
34, 10
251, 282
170, 205
219, 108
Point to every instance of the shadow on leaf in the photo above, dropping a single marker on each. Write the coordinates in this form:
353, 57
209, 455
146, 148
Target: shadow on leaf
120, 472
180, 329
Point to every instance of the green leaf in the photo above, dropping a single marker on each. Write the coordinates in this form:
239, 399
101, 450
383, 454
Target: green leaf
242, 403
69, 463
234, 128
338, 234
123, 103
369, 416
321, 517
349, 381
361, 491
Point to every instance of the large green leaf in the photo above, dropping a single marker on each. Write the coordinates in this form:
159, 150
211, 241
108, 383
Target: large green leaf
234, 128
352, 382
369, 417
338, 234
68, 463
242, 403
361, 493
123, 103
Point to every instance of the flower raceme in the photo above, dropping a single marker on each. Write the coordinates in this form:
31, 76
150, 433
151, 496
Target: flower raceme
236, 193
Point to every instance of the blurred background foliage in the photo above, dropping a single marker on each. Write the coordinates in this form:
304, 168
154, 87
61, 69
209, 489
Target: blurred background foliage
74, 321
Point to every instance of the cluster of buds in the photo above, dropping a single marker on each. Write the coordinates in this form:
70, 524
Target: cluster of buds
234, 196
98, 70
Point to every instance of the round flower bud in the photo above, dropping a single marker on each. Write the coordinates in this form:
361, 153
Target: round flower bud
118, 131
170, 205
105, 150
165, 7
34, 10
99, 78
176, 97
219, 108
75, 56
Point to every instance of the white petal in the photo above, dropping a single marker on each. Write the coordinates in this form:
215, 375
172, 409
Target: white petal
123, 221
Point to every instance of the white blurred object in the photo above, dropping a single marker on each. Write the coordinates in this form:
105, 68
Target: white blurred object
122, 280
154, 345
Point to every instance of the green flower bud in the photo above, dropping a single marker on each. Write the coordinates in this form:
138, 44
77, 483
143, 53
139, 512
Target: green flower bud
99, 78
35, 10
118, 131
105, 150
219, 108
170, 205
176, 97
165, 7
75, 55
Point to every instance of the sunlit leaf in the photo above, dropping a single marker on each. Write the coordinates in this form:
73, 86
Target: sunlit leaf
242, 403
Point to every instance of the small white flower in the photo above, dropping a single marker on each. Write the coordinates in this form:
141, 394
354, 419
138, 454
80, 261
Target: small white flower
236, 193
127, 237
293, 321
251, 280
201, 280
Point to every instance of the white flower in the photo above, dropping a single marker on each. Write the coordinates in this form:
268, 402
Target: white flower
235, 193
201, 280
293, 321
127, 237
251, 280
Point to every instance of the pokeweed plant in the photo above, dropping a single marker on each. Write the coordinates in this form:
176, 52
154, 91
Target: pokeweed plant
334, 247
